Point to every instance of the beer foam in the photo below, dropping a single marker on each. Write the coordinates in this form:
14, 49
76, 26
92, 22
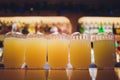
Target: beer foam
35, 36
11, 35
58, 36
101, 37
79, 36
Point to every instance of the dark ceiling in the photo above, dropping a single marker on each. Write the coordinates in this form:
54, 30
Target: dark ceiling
93, 6
86, 2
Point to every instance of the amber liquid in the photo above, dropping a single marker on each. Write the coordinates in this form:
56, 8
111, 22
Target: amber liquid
80, 53
13, 52
36, 50
58, 53
104, 51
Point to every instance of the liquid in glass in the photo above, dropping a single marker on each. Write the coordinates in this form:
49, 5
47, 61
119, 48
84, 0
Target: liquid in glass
104, 52
13, 52
36, 49
58, 52
80, 52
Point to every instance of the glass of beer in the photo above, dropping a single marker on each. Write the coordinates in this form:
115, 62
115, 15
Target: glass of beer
36, 49
58, 51
104, 50
80, 49
13, 51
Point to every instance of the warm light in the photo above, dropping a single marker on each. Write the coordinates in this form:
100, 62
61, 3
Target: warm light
99, 20
38, 19
31, 9
47, 19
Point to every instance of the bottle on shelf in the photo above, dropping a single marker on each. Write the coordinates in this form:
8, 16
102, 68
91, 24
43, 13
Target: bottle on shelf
86, 27
117, 28
113, 29
101, 29
95, 28
90, 28
82, 30
107, 27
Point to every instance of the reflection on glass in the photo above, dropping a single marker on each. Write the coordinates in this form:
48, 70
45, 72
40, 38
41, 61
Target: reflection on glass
93, 73
69, 66
1, 51
69, 73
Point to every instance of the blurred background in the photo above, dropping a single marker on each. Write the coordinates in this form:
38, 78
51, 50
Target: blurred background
73, 9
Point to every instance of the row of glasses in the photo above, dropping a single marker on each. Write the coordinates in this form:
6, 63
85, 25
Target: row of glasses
59, 50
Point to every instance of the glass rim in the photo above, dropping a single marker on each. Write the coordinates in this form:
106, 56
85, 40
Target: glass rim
102, 37
79, 36
58, 36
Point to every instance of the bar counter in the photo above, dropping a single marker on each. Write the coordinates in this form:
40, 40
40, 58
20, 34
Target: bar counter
42, 74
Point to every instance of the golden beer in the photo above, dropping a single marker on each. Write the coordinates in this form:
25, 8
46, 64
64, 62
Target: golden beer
36, 50
80, 48
13, 52
104, 52
58, 52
